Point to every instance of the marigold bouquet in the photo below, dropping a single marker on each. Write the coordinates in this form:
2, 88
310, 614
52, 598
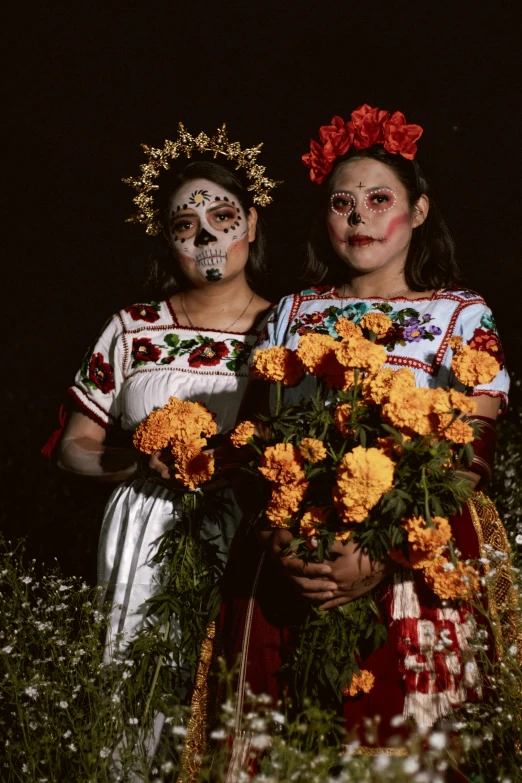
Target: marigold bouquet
188, 600
369, 458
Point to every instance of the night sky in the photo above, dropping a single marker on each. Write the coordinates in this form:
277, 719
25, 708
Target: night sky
87, 84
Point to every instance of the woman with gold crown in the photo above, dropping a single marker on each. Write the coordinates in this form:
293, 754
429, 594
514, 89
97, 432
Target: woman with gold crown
379, 245
193, 344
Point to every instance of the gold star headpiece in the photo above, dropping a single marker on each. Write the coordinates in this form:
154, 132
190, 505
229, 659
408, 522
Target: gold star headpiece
185, 144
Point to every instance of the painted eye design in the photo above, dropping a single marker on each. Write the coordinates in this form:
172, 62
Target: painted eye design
342, 204
380, 199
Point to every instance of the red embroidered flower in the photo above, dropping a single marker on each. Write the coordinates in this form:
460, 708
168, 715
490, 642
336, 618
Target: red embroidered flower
143, 312
143, 350
208, 354
487, 340
100, 373
400, 138
367, 126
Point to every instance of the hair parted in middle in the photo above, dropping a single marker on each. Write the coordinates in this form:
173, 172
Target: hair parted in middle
431, 262
165, 276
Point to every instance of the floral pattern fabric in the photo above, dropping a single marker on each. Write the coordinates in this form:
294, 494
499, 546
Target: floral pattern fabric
419, 338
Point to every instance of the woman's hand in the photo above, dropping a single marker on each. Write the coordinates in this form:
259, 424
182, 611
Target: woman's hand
312, 580
353, 573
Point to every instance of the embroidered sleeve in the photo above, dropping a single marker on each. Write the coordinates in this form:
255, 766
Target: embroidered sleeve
97, 386
476, 325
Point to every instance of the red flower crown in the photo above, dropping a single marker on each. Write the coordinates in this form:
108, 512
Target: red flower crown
367, 127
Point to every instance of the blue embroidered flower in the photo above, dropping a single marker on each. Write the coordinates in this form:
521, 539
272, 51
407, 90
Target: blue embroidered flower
414, 333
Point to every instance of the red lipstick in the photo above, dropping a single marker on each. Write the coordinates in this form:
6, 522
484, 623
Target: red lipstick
361, 240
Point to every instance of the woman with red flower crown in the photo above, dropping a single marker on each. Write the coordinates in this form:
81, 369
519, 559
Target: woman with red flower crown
379, 245
193, 343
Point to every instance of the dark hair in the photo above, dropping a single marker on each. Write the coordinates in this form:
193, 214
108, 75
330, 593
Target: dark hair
165, 276
431, 261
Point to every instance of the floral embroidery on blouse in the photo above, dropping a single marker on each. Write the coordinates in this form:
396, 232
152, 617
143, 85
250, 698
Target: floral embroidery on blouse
201, 351
145, 312
485, 338
408, 325
96, 373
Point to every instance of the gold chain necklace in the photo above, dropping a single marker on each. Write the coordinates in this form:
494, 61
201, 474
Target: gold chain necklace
207, 352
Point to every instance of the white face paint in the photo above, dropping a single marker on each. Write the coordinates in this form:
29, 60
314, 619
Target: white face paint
208, 229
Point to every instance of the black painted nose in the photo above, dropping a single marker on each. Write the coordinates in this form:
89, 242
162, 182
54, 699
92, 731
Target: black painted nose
204, 237
355, 218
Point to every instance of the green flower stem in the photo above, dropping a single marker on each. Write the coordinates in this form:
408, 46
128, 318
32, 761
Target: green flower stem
427, 514
279, 397
159, 664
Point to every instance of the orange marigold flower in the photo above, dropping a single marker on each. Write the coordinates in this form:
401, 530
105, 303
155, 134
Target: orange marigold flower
472, 367
426, 542
239, 437
194, 470
358, 352
188, 449
312, 449
282, 464
410, 408
154, 433
361, 683
455, 342
378, 323
440, 401
346, 328
343, 535
376, 387
363, 476
278, 364
458, 431
451, 581
285, 502
462, 402
341, 378
312, 519
342, 416
316, 351
390, 446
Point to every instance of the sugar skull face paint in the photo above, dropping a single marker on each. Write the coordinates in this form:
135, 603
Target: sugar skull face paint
369, 217
209, 230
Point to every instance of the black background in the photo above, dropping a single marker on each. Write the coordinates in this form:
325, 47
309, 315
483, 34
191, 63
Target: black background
87, 83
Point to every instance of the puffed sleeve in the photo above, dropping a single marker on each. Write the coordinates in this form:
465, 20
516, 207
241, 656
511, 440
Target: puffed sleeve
476, 325
98, 383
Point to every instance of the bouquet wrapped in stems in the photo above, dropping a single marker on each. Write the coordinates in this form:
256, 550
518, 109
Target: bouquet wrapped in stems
369, 458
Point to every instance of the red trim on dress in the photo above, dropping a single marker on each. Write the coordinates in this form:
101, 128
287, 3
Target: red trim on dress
74, 393
408, 361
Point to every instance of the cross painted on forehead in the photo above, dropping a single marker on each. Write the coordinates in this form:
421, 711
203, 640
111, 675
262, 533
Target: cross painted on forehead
360, 185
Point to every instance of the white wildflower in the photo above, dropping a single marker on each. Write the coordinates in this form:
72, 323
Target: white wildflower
411, 765
104, 752
219, 734
126, 675
72, 747
7, 649
260, 741
381, 763
67, 734
26, 580
31, 691
437, 740
64, 705
62, 588
518, 538
278, 717
116, 699
132, 721
258, 724
513, 649
179, 731
397, 720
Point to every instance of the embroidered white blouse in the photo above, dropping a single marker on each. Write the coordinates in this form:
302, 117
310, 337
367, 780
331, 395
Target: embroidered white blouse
419, 340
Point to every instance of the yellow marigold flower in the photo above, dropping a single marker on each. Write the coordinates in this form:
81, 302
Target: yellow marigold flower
355, 352
377, 387
378, 323
455, 342
154, 433
346, 328
410, 408
363, 477
440, 401
361, 683
312, 519
472, 367
184, 451
195, 470
315, 352
342, 416
449, 581
462, 402
343, 535
312, 449
282, 464
239, 437
285, 502
426, 542
278, 364
458, 431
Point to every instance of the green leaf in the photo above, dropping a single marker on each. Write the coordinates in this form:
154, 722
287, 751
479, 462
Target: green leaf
172, 340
